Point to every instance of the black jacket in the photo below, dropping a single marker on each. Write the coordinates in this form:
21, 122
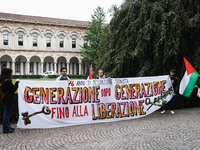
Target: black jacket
9, 89
175, 84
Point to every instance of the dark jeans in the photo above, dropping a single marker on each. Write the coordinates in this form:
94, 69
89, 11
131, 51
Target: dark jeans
170, 104
8, 107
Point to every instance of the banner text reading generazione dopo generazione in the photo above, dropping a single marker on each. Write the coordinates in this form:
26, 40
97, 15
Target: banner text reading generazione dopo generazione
90, 101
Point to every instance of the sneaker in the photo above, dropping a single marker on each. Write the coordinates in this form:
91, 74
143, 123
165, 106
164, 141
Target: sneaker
12, 129
162, 112
8, 131
172, 112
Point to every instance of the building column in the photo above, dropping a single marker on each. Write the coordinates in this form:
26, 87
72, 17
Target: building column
83, 68
41, 68
47, 66
59, 67
21, 68
55, 67
51, 67
7, 64
13, 67
68, 67
80, 68
75, 68
28, 67
34, 68
71, 68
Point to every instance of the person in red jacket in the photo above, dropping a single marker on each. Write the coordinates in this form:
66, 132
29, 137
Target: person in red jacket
9, 89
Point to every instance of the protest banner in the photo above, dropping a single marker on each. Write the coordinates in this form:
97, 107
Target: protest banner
49, 104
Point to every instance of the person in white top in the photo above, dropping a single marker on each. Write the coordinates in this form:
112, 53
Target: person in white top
101, 74
63, 76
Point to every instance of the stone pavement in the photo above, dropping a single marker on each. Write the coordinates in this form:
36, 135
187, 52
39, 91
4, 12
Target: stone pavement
154, 132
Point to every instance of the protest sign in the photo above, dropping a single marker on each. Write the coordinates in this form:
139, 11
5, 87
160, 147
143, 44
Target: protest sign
48, 104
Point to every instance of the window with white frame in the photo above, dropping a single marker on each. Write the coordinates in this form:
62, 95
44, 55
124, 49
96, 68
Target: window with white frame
20, 40
5, 39
35, 41
61, 42
48, 41
85, 42
73, 42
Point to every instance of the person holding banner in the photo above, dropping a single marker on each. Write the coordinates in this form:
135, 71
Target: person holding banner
9, 89
175, 85
101, 74
63, 75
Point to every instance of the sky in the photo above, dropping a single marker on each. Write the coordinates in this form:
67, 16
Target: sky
64, 9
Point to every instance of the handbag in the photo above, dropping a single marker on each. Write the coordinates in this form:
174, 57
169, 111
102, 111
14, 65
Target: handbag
2, 94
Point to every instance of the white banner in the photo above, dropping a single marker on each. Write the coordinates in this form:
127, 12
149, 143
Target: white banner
49, 104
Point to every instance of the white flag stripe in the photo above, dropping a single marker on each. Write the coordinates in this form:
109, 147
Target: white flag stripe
184, 82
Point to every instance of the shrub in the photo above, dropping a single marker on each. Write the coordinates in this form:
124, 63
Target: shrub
27, 76
76, 76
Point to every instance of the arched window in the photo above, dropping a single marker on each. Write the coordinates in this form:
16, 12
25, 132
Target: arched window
20, 36
73, 42
35, 34
5, 39
61, 42
74, 36
85, 42
5, 33
20, 40
61, 36
35, 41
48, 34
48, 41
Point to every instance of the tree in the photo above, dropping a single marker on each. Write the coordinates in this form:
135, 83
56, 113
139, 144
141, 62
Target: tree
90, 51
147, 38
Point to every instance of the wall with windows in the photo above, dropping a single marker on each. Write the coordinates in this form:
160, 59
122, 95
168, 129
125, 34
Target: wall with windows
51, 38
35, 48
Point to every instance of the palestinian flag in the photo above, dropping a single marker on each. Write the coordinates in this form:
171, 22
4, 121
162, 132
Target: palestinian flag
189, 77
88, 74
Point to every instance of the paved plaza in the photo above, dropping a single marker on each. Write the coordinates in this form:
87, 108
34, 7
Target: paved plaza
154, 132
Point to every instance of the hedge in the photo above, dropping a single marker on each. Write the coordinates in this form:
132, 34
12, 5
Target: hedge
27, 76
180, 103
50, 76
71, 76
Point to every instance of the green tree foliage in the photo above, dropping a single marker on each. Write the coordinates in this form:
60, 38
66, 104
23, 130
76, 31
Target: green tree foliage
90, 51
147, 38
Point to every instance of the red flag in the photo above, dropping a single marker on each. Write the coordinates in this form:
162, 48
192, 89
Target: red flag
88, 74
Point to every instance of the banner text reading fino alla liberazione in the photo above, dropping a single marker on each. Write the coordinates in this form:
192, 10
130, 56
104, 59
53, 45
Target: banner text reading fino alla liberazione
90, 101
